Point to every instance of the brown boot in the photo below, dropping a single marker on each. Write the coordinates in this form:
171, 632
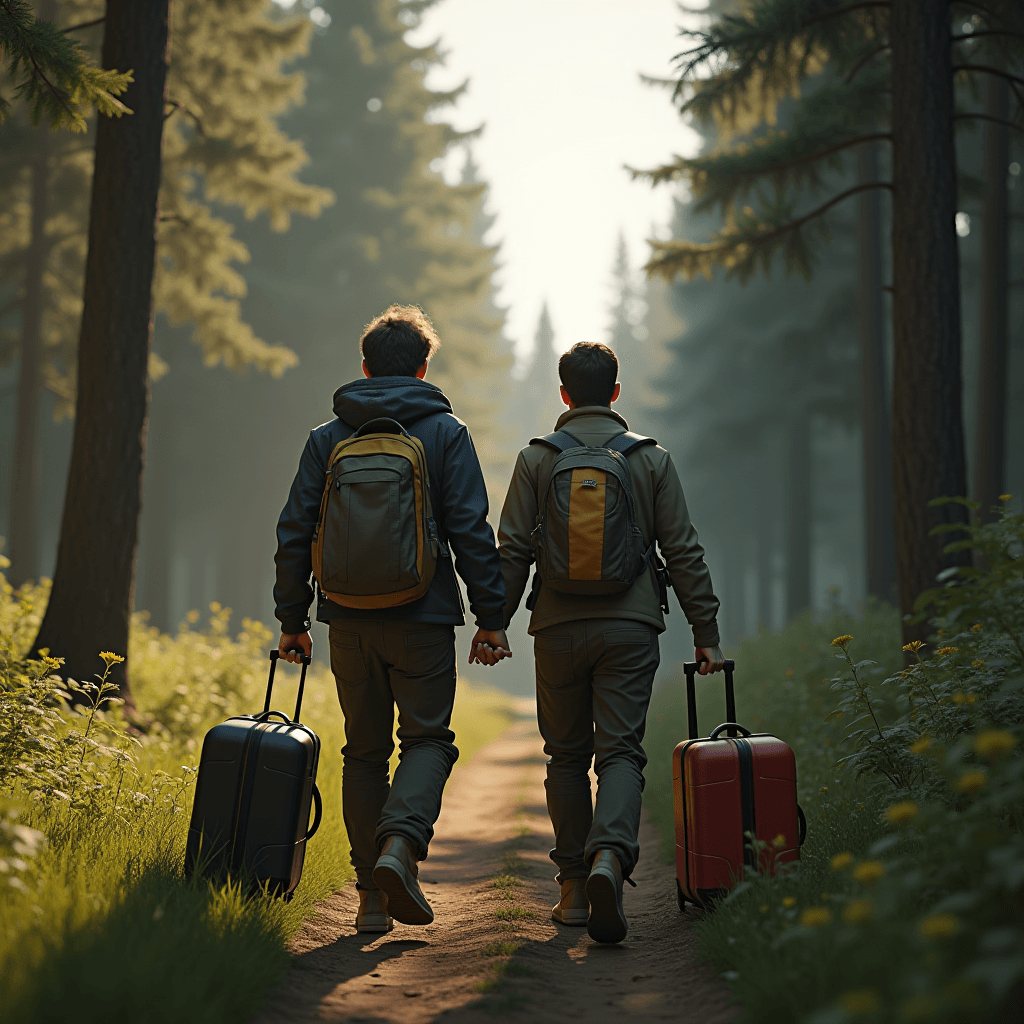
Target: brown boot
573, 907
607, 921
397, 873
372, 915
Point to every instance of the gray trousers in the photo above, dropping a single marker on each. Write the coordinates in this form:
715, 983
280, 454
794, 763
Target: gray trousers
594, 681
379, 665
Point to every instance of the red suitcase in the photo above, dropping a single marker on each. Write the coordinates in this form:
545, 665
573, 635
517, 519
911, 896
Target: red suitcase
728, 789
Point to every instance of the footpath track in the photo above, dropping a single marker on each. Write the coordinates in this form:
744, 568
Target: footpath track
493, 950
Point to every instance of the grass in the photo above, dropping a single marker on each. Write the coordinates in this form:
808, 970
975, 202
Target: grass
904, 907
93, 822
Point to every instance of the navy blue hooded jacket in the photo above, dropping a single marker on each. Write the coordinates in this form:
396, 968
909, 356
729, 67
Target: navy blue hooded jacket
457, 492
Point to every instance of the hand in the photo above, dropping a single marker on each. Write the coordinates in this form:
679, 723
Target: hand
710, 659
290, 641
489, 646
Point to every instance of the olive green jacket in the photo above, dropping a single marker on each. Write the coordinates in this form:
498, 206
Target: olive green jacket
661, 513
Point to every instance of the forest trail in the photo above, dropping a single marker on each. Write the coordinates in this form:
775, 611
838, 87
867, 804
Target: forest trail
458, 969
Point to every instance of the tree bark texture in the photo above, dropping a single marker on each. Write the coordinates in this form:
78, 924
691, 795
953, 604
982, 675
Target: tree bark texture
880, 540
927, 427
25, 470
799, 516
990, 435
90, 605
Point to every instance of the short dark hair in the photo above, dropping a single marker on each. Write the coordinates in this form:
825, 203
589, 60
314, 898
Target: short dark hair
398, 342
588, 371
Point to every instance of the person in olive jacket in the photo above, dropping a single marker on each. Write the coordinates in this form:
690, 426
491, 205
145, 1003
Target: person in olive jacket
403, 655
596, 655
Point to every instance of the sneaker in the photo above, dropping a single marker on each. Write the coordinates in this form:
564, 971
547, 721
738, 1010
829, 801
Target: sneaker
372, 915
397, 874
573, 908
607, 920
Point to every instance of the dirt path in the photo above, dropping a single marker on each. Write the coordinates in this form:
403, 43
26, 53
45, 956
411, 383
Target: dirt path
493, 946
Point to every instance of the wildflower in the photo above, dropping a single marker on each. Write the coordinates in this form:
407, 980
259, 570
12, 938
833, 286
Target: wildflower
971, 698
789, 673
109, 658
763, 908
943, 651
901, 812
779, 841
914, 646
971, 781
860, 807
869, 871
858, 911
921, 745
840, 861
861, 1000
978, 663
976, 628
215, 607
1005, 497
789, 901
994, 743
959, 699
824, 789
939, 926
192, 617
815, 917
842, 641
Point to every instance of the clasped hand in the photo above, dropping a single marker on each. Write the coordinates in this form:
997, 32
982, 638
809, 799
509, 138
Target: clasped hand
489, 646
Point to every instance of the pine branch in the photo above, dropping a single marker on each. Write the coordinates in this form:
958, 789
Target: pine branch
988, 117
84, 25
865, 60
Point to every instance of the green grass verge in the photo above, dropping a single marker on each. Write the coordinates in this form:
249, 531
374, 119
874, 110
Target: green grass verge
96, 921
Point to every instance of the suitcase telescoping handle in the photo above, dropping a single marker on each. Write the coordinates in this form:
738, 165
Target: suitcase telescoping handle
274, 656
690, 671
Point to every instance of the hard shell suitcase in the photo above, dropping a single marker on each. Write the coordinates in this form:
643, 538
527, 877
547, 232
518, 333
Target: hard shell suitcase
257, 780
735, 803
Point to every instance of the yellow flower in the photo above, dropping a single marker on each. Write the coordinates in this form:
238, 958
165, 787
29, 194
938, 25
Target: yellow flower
971, 698
971, 781
939, 926
976, 628
914, 646
921, 745
824, 789
789, 901
215, 607
978, 663
789, 673
109, 658
763, 908
948, 650
959, 699
861, 1000
192, 616
779, 841
814, 917
869, 871
842, 641
858, 911
840, 861
994, 743
1005, 497
901, 812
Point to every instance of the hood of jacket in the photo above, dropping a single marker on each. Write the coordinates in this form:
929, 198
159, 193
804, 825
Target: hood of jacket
406, 399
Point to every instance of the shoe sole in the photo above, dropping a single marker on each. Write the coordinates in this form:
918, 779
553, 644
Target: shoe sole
606, 922
572, 918
391, 877
375, 924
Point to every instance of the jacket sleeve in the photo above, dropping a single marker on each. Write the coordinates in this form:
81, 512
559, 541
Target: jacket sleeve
469, 534
691, 578
293, 593
518, 517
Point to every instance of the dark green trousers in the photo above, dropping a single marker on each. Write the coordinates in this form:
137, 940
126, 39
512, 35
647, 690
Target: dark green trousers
594, 679
379, 666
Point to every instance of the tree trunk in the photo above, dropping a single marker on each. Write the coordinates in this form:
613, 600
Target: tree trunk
799, 518
927, 427
990, 439
25, 473
880, 542
90, 605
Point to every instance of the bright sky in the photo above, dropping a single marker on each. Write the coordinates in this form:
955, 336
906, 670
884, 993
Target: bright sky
556, 83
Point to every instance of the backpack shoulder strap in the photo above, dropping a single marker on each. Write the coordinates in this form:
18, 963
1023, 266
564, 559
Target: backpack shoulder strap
560, 440
627, 442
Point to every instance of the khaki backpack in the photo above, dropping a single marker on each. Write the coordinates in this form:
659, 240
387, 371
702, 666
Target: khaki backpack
376, 543
587, 540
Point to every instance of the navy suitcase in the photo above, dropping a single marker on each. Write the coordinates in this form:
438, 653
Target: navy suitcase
256, 783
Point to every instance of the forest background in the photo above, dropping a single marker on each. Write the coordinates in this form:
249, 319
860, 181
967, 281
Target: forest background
754, 386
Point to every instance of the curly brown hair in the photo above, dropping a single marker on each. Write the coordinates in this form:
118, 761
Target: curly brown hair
398, 342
